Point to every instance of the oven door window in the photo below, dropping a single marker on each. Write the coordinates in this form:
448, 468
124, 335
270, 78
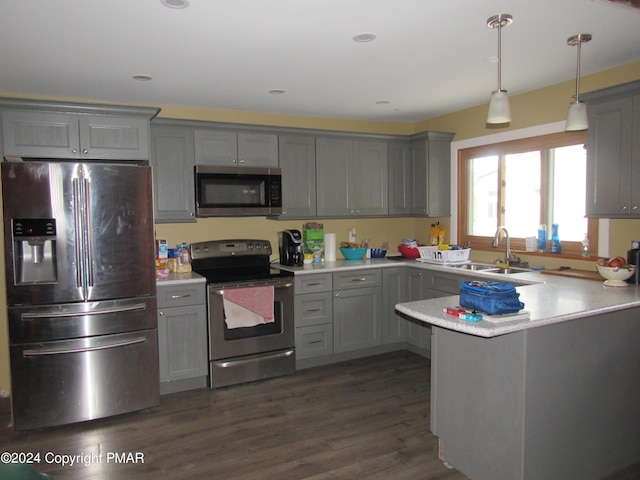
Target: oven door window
272, 328
232, 191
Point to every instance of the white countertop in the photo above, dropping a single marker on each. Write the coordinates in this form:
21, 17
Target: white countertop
180, 278
548, 298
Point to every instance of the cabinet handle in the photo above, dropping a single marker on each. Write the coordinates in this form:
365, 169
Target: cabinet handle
315, 341
85, 151
624, 208
635, 207
314, 284
313, 310
361, 279
74, 150
173, 297
241, 161
337, 295
161, 313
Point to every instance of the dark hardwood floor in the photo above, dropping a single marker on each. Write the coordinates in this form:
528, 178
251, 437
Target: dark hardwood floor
364, 419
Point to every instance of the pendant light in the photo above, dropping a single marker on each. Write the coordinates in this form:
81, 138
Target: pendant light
499, 110
577, 118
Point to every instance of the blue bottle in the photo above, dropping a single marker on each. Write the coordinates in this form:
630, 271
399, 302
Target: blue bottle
556, 247
542, 238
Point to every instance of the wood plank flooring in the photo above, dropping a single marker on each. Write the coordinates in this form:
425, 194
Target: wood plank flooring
363, 419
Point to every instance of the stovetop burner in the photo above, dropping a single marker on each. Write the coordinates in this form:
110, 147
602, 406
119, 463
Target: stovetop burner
227, 261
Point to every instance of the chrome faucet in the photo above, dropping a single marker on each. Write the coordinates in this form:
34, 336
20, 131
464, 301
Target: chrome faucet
508, 257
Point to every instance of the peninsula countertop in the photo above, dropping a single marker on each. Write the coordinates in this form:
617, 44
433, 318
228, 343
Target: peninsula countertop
548, 299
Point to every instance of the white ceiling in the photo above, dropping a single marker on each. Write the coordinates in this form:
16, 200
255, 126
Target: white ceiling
429, 57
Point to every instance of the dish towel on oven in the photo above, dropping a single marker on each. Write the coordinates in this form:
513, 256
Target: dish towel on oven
248, 307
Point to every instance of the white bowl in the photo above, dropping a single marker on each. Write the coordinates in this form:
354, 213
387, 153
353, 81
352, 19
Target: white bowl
616, 276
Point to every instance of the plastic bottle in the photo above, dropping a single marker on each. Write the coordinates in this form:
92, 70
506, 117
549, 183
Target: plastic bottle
556, 247
542, 238
585, 247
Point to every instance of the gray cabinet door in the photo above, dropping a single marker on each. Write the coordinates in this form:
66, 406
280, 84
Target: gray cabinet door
172, 155
333, 157
357, 319
400, 179
417, 334
609, 159
257, 149
368, 179
352, 177
394, 289
230, 148
216, 147
297, 160
431, 157
182, 342
48, 134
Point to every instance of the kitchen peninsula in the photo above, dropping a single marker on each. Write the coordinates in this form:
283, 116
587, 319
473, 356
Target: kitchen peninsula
552, 396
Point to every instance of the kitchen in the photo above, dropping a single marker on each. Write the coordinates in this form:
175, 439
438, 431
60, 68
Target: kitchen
467, 124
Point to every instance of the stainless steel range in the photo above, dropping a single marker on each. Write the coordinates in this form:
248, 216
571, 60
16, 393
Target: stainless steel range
250, 305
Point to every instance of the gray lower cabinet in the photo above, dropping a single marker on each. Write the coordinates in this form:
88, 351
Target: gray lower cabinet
313, 310
297, 160
418, 334
172, 160
394, 289
357, 310
182, 336
352, 177
613, 152
33, 129
230, 148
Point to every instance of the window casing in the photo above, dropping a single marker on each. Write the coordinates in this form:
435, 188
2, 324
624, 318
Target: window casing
521, 184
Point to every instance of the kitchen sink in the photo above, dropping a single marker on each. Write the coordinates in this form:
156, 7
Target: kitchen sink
477, 266
489, 268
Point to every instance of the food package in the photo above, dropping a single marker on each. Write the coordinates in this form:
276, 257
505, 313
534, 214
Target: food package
313, 238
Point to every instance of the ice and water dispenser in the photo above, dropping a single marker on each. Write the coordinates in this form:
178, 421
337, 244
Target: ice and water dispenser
34, 250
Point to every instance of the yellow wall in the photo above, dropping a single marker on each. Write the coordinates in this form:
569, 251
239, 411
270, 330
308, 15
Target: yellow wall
539, 107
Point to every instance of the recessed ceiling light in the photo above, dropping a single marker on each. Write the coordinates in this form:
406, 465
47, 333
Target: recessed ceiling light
142, 77
364, 37
276, 91
175, 3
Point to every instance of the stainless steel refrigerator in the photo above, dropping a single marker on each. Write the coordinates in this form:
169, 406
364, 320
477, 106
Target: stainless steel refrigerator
80, 278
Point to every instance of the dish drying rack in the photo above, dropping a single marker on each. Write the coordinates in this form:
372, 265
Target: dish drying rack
443, 257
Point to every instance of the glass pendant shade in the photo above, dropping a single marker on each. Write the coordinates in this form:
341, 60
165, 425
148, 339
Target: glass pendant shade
499, 110
577, 118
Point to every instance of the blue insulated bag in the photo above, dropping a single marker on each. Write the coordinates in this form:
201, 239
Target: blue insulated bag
493, 298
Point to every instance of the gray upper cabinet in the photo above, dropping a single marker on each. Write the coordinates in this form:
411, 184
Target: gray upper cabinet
50, 130
420, 175
297, 154
172, 162
401, 183
613, 152
352, 177
231, 148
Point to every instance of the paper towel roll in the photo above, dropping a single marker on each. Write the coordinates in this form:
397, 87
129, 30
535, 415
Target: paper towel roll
330, 247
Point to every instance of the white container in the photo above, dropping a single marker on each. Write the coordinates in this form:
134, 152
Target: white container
443, 257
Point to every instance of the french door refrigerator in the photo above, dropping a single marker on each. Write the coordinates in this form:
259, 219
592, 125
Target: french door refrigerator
80, 284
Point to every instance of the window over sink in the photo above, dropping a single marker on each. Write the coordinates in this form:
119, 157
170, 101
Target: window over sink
522, 184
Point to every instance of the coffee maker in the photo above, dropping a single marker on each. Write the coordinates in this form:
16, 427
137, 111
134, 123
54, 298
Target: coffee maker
290, 244
633, 258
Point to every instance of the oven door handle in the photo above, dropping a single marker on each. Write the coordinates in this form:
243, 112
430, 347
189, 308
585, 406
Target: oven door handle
279, 286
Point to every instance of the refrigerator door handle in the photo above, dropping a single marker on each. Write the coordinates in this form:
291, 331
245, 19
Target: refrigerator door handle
87, 231
77, 220
128, 308
62, 351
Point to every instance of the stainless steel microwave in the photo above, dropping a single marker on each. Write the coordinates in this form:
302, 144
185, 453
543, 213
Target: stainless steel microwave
237, 191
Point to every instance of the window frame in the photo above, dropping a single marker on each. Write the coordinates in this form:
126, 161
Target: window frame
543, 143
